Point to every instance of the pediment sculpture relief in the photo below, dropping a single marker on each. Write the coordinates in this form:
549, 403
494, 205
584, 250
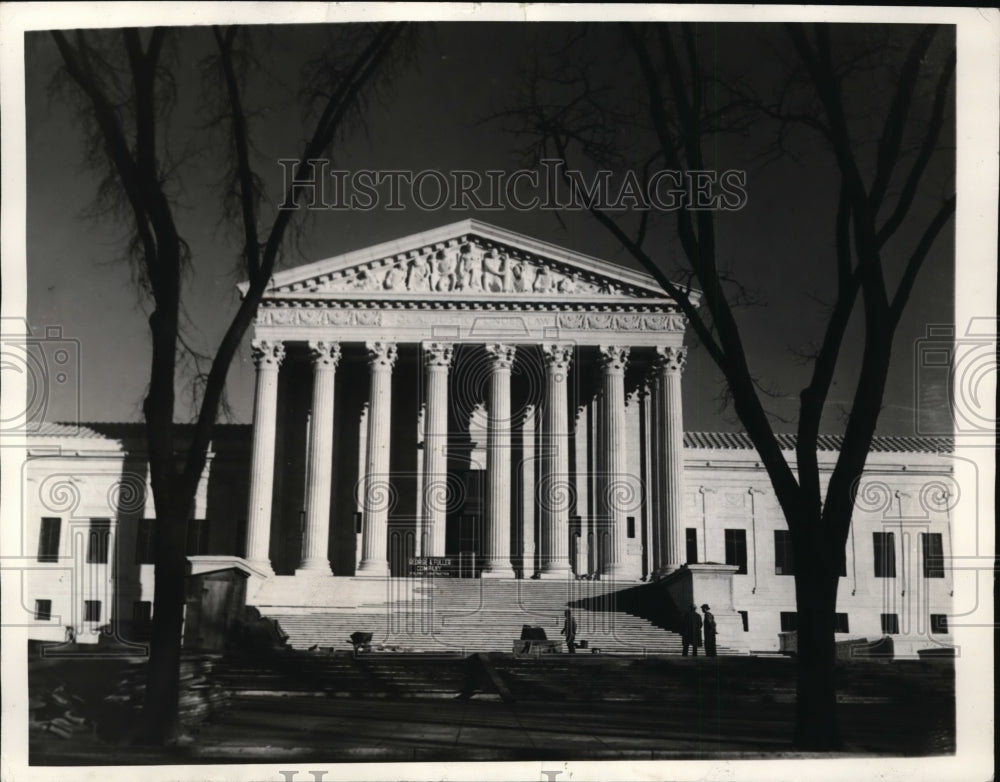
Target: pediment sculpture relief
467, 268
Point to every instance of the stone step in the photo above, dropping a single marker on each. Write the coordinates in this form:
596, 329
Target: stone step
469, 615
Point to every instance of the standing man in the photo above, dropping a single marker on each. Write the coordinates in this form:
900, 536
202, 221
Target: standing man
709, 631
691, 631
569, 630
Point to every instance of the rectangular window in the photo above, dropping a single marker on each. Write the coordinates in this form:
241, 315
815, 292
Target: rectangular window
197, 537
48, 539
691, 539
630, 526
745, 618
736, 549
885, 554
144, 542
789, 621
890, 624
357, 522
784, 560
43, 610
98, 540
840, 624
142, 612
933, 554
92, 610
939, 623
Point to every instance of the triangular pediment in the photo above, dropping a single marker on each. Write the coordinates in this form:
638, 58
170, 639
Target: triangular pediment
469, 259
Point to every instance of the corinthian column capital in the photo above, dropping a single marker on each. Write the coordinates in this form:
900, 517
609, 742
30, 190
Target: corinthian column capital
325, 355
613, 358
381, 354
438, 354
671, 359
557, 356
267, 353
502, 356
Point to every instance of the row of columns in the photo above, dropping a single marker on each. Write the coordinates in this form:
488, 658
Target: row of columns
554, 481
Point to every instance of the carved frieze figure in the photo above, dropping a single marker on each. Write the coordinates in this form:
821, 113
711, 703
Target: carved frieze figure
493, 272
395, 279
367, 280
445, 271
524, 277
469, 266
567, 285
420, 274
543, 281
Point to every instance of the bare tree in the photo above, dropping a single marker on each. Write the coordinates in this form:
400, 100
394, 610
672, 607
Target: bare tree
580, 103
125, 82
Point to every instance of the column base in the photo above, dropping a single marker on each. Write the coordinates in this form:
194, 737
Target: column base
618, 571
373, 570
664, 571
311, 569
507, 572
556, 570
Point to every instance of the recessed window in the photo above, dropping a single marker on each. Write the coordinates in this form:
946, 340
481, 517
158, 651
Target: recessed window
890, 624
98, 541
840, 624
736, 549
885, 554
691, 544
43, 610
784, 558
745, 618
92, 610
630, 526
933, 554
48, 539
939, 623
789, 621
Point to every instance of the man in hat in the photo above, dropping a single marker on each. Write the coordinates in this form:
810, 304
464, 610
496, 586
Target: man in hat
709, 622
569, 630
690, 631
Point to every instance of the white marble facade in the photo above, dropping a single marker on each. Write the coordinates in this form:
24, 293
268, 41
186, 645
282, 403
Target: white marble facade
515, 362
474, 394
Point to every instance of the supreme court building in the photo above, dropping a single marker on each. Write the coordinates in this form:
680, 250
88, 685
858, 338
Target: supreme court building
474, 397
472, 393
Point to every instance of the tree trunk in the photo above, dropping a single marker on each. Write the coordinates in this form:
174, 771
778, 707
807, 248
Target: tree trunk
816, 724
159, 715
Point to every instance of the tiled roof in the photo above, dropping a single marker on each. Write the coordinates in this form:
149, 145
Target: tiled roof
739, 441
825, 442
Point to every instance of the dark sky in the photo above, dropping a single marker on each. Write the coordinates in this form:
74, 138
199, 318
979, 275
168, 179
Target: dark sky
780, 243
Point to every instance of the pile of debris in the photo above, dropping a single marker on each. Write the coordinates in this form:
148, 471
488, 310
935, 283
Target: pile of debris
199, 696
57, 712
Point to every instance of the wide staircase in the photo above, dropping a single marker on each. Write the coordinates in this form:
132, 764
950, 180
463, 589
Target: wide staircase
471, 615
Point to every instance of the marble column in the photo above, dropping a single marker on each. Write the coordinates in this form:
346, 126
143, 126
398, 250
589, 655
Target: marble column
613, 359
497, 562
528, 492
267, 356
670, 365
379, 492
437, 360
319, 478
656, 479
555, 489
